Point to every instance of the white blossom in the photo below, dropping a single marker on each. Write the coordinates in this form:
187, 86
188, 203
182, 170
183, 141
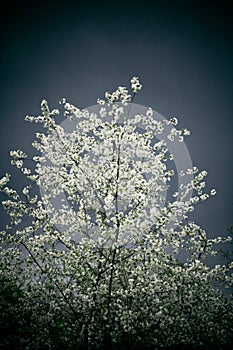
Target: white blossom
213, 192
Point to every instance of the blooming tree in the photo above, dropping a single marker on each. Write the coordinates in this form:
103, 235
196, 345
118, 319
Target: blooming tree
103, 256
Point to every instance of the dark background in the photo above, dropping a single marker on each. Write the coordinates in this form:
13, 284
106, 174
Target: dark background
181, 50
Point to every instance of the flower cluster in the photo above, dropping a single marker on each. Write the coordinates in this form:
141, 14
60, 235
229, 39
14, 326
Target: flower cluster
121, 94
135, 85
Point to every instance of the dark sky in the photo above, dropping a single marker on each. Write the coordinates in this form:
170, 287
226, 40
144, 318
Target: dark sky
181, 50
